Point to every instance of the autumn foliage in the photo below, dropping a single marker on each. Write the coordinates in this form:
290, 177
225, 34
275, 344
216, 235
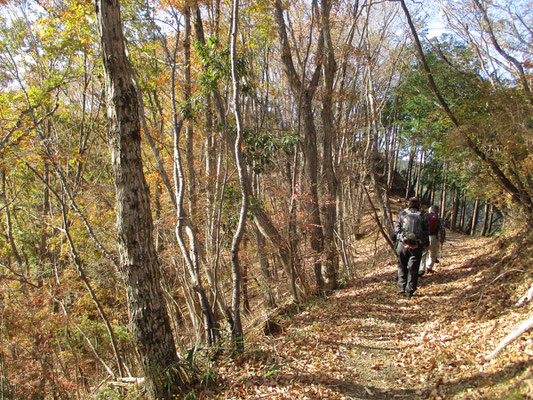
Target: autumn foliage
272, 258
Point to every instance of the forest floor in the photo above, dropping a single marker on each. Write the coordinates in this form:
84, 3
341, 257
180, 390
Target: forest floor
365, 341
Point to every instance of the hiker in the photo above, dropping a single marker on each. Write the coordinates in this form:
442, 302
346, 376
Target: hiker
411, 233
437, 236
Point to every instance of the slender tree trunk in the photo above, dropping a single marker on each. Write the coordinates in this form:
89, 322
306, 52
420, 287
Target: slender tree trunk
443, 193
245, 297
474, 218
266, 282
74, 252
420, 168
380, 194
9, 230
491, 219
485, 219
139, 264
191, 252
189, 131
299, 292
463, 212
432, 195
83, 276
410, 171
455, 208
237, 331
45, 255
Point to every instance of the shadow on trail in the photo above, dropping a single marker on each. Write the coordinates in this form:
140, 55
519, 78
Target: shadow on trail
484, 380
356, 389
378, 323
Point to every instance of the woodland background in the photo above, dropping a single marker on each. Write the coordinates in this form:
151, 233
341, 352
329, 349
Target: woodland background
261, 143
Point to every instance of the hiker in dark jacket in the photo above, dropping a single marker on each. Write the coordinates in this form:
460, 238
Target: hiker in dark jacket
411, 231
437, 236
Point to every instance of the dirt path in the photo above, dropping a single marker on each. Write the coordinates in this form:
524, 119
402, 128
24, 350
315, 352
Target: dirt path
368, 342
389, 353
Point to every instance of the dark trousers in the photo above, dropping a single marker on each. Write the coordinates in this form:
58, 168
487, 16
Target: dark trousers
408, 265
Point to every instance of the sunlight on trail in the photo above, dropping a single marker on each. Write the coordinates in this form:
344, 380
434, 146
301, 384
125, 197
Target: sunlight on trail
367, 342
431, 348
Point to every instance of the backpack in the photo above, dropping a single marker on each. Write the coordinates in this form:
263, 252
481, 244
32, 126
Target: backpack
433, 222
412, 232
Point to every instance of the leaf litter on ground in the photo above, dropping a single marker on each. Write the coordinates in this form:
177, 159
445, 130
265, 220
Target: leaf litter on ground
366, 342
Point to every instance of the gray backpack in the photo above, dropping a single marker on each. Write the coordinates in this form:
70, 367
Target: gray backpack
412, 232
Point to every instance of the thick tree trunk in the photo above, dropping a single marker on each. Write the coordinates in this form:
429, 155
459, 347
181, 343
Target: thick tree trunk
139, 265
324, 279
330, 265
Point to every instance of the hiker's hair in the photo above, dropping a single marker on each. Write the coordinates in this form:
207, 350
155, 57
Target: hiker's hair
414, 202
434, 209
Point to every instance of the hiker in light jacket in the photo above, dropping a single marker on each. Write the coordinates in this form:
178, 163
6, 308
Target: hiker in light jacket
437, 236
411, 232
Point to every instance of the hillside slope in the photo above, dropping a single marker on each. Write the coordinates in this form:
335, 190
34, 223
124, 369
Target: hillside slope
366, 342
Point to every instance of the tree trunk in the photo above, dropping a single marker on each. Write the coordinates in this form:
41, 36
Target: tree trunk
409, 173
432, 193
485, 219
305, 95
455, 208
474, 218
443, 194
380, 194
420, 168
237, 331
330, 265
189, 131
464, 205
264, 267
190, 253
139, 265
491, 219
9, 230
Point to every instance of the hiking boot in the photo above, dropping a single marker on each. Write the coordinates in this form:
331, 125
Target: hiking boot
408, 296
401, 291
437, 261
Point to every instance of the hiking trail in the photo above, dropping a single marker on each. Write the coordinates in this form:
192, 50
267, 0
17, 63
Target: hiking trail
366, 341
